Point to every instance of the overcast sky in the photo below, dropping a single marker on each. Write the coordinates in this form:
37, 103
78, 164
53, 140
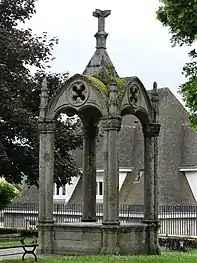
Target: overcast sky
137, 44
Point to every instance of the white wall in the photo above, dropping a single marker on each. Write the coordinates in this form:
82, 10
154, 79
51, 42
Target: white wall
69, 190
192, 180
99, 178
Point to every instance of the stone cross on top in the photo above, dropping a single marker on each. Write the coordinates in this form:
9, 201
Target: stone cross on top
101, 35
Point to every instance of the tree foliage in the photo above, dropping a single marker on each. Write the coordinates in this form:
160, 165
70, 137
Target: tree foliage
19, 99
7, 193
180, 16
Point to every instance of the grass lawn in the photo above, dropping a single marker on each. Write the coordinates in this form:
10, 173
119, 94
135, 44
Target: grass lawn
15, 243
10, 243
166, 257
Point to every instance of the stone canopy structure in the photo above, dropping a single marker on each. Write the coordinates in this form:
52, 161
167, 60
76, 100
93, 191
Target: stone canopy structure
99, 95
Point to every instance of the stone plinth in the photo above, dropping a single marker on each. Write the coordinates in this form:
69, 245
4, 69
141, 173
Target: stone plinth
88, 238
77, 238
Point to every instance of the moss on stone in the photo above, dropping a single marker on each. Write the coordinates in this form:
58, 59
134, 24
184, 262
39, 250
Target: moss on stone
110, 70
104, 86
120, 82
121, 86
99, 84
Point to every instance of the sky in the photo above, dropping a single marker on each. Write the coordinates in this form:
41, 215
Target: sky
138, 44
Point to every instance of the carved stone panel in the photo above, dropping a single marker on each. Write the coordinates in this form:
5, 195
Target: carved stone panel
134, 96
78, 93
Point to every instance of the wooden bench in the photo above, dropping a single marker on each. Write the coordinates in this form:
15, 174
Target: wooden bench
27, 248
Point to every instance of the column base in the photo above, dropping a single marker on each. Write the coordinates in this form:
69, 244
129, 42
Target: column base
110, 239
156, 235
45, 236
151, 240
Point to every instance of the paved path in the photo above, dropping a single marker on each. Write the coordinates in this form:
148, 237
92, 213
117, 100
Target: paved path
17, 251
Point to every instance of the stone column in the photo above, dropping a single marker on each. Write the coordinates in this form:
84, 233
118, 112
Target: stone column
89, 173
155, 109
111, 125
105, 177
150, 132
46, 179
156, 195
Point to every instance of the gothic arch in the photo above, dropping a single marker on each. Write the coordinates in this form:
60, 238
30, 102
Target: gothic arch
135, 101
77, 96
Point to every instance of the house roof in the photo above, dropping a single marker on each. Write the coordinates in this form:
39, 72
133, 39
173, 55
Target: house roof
28, 195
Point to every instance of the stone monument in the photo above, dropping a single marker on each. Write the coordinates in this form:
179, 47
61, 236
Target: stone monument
99, 95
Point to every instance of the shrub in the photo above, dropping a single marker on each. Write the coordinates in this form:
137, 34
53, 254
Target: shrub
7, 193
24, 232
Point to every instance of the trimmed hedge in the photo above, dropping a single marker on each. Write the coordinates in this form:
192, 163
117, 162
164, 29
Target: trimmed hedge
24, 232
173, 242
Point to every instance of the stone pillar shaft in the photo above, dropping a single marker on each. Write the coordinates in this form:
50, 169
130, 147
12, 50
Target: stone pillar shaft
105, 177
46, 179
156, 185
150, 192
89, 174
113, 178
156, 195
46, 170
111, 128
148, 178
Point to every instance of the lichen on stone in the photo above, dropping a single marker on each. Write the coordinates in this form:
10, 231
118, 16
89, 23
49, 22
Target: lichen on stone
110, 70
99, 84
103, 85
120, 82
121, 86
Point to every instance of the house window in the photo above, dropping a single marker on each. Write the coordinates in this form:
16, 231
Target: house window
99, 186
63, 190
57, 190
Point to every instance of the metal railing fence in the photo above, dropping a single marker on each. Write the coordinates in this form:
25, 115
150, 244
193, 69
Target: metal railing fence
175, 220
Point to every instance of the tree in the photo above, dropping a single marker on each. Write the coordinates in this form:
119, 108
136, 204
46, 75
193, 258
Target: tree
180, 16
19, 99
7, 193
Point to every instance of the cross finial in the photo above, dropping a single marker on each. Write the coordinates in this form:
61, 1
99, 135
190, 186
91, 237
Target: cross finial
101, 35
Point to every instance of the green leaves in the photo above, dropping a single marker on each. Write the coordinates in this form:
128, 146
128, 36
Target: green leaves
180, 16
189, 88
7, 193
19, 99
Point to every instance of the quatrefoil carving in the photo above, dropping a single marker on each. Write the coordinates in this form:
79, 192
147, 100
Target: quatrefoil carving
78, 93
134, 96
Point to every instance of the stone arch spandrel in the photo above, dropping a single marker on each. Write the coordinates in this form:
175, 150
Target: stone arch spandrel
135, 100
77, 93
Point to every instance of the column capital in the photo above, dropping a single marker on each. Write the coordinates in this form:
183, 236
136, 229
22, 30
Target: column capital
151, 130
47, 126
111, 123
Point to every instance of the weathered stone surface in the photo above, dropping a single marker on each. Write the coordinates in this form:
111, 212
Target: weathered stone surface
82, 95
86, 238
89, 173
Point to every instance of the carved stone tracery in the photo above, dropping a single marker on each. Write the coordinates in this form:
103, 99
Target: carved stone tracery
78, 93
134, 96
